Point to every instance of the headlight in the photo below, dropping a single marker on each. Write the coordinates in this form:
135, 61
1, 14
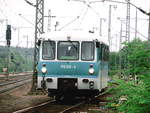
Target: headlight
91, 71
44, 70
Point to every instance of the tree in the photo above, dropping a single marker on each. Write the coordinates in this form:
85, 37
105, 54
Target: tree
137, 96
137, 55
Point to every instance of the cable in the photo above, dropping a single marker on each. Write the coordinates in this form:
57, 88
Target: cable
16, 14
84, 16
30, 3
69, 23
137, 31
109, 1
92, 9
2, 36
88, 5
76, 17
26, 19
138, 8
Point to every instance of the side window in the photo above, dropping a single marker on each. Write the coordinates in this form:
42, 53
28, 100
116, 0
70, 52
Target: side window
48, 50
107, 53
99, 53
87, 51
102, 51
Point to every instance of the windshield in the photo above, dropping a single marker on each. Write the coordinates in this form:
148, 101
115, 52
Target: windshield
68, 50
87, 51
48, 50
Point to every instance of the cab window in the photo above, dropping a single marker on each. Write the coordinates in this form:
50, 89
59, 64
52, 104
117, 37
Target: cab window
68, 50
87, 51
48, 50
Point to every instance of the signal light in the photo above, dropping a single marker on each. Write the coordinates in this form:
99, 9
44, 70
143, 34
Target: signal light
8, 32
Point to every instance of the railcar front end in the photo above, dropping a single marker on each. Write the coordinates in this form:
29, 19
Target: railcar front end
71, 67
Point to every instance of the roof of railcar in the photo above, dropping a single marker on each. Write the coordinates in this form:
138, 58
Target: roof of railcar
74, 36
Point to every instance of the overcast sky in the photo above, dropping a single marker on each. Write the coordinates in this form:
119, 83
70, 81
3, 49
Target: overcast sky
65, 12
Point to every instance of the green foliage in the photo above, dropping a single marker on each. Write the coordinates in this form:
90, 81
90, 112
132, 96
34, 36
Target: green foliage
113, 61
21, 60
136, 56
138, 97
136, 61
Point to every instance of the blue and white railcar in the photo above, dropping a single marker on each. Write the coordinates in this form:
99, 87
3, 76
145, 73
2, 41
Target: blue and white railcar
72, 63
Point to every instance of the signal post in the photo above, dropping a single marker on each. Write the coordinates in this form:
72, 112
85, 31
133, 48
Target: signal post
8, 39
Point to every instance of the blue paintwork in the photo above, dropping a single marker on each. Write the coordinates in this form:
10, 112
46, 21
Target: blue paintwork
69, 69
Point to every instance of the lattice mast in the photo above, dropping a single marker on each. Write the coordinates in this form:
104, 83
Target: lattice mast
128, 22
39, 29
127, 38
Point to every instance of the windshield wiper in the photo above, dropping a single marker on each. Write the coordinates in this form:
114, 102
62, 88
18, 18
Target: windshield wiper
73, 44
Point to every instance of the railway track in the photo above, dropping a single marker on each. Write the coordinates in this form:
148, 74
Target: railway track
82, 106
72, 107
29, 108
58, 107
50, 107
14, 82
13, 77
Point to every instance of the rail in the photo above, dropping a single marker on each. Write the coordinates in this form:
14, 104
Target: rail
14, 82
15, 86
57, 107
33, 107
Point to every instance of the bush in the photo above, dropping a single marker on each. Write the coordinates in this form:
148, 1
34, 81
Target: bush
137, 95
134, 96
21, 61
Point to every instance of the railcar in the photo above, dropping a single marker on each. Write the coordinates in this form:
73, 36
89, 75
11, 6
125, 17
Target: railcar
72, 63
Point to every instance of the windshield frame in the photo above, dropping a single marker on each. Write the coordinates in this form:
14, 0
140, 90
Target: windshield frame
71, 42
93, 51
54, 50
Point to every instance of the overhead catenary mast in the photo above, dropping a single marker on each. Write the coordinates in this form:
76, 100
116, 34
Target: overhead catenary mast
100, 29
49, 21
127, 39
39, 29
136, 25
146, 13
109, 25
128, 22
120, 42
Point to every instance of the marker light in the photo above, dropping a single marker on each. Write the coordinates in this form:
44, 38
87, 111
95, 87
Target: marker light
91, 71
44, 70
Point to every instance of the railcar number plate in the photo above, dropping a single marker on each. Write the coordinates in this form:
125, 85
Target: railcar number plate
68, 66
